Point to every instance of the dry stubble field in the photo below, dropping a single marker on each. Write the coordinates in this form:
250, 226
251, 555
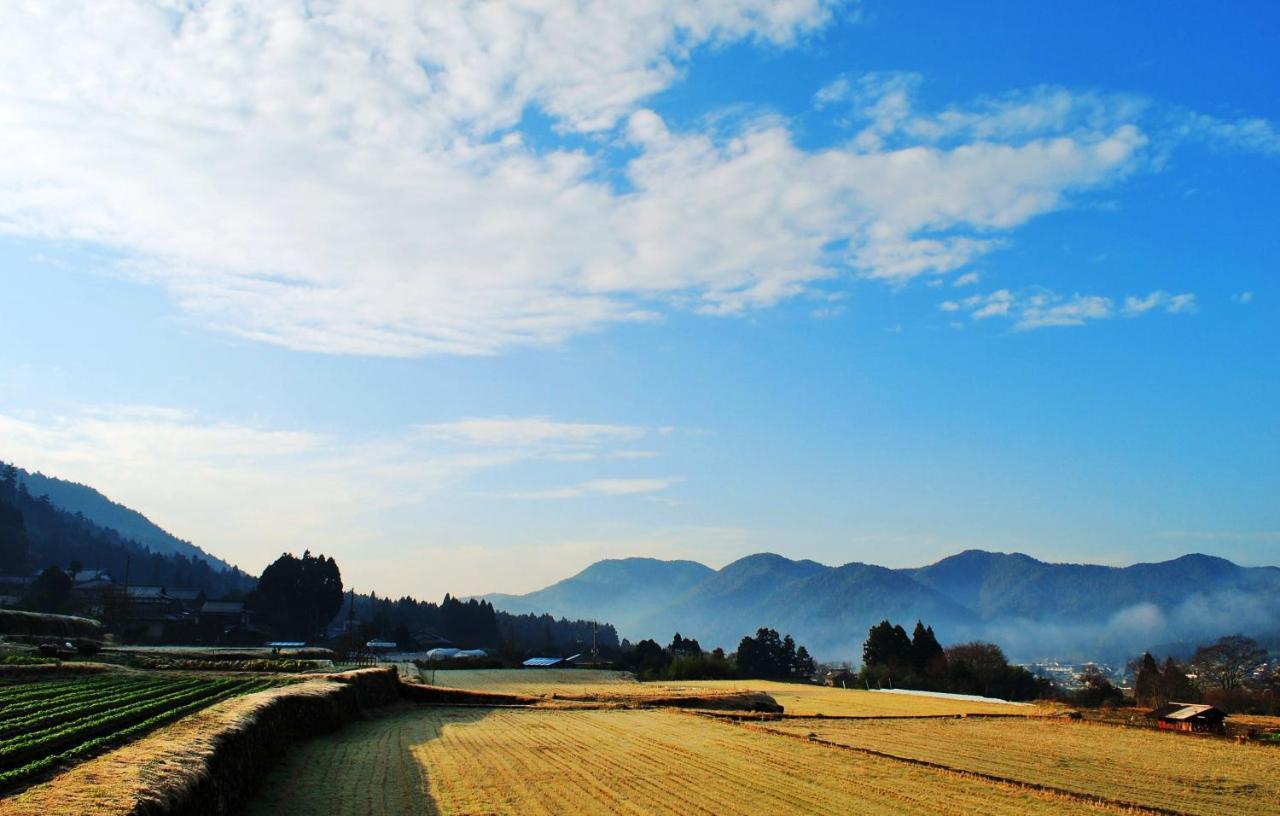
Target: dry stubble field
1190, 774
473, 761
795, 698
416, 760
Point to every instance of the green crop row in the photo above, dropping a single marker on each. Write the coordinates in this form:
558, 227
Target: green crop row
60, 710
61, 696
53, 739
17, 692
125, 732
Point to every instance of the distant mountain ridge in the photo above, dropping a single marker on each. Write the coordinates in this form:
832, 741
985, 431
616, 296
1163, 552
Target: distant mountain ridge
74, 497
1033, 608
38, 532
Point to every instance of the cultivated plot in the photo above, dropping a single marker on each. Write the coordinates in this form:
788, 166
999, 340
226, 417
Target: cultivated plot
1149, 768
477, 761
49, 724
794, 697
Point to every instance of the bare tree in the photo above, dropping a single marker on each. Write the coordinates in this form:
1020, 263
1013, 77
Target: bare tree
1228, 663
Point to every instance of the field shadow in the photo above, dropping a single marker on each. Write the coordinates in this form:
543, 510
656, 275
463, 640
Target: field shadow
368, 768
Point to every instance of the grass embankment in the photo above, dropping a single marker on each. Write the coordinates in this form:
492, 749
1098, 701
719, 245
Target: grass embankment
1146, 768
206, 763
545, 761
37, 624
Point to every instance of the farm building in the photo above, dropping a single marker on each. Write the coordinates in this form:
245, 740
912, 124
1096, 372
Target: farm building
444, 653
550, 662
1189, 717
843, 678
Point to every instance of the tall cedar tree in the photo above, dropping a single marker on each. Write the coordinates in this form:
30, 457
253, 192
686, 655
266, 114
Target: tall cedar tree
886, 645
299, 596
770, 655
13, 532
1148, 685
927, 656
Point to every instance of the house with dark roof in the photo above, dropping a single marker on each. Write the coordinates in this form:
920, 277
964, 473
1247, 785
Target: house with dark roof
1191, 717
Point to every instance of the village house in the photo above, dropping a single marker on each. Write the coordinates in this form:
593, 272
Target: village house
1192, 717
841, 678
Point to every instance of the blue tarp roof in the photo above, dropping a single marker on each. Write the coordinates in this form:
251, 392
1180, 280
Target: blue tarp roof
542, 662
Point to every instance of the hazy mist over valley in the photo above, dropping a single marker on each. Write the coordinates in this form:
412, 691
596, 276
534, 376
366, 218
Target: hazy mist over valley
1033, 609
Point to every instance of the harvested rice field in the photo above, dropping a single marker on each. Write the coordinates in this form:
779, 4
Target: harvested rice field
805, 700
1173, 771
485, 761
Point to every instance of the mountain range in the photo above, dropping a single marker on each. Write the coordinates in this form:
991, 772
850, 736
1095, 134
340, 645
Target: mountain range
1034, 609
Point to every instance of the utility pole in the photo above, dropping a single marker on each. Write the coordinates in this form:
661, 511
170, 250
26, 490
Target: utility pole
351, 614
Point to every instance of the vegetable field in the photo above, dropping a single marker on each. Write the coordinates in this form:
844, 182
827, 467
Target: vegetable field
50, 723
474, 761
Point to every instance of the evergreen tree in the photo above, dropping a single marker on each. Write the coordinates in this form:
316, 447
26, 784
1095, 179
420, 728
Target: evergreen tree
886, 645
1148, 685
805, 665
927, 656
13, 540
299, 596
49, 591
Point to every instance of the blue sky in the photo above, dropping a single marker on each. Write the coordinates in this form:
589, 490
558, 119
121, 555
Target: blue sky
473, 297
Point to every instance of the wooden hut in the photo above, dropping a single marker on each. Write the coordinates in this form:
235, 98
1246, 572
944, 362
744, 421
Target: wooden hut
1194, 717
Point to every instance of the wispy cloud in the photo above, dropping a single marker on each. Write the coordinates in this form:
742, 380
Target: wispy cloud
247, 492
1041, 308
1224, 535
530, 432
599, 487
1252, 135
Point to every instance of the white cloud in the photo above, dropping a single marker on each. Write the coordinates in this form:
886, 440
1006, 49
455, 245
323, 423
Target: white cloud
967, 279
246, 493
599, 487
353, 179
1246, 134
1041, 308
1243, 298
530, 432
1160, 299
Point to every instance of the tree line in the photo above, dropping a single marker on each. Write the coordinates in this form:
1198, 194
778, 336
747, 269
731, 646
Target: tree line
767, 655
302, 598
893, 659
1230, 673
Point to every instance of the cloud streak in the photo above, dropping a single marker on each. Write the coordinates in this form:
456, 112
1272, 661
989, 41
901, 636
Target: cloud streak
1041, 308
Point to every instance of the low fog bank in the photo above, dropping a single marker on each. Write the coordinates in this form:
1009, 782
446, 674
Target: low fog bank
1201, 618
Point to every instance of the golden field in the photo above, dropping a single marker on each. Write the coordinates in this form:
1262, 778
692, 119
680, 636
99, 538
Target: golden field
805, 700
599, 742
1174, 771
478, 761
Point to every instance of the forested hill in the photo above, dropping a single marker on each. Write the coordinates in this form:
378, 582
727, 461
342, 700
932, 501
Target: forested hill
36, 533
1033, 608
77, 498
